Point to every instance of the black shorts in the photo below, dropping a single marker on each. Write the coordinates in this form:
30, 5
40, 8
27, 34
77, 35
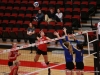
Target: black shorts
80, 65
69, 65
10, 63
39, 52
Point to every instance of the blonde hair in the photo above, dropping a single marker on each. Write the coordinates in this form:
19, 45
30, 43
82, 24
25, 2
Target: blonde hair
69, 46
14, 44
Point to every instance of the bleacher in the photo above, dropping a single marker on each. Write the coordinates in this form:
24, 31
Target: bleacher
15, 16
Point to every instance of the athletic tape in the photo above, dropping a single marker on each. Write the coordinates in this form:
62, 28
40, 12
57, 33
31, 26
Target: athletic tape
37, 43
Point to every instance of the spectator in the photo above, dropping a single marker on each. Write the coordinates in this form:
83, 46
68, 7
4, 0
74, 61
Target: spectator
50, 16
31, 34
59, 14
39, 17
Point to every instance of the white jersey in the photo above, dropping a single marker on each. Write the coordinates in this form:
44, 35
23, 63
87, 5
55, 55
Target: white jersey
98, 28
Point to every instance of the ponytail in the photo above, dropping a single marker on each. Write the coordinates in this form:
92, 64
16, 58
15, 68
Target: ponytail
69, 46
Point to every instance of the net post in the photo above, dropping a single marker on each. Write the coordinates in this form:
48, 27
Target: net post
88, 43
96, 46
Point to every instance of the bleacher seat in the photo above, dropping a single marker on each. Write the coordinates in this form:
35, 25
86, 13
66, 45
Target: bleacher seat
17, 3
44, 10
84, 4
68, 26
76, 21
59, 25
19, 24
43, 25
76, 4
35, 10
5, 34
76, 11
15, 9
20, 35
20, 16
13, 34
67, 18
59, 4
30, 3
45, 3
84, 14
19, 13
50, 33
4, 24
68, 11
68, 4
35, 24
60, 31
52, 4
28, 17
13, 16
26, 24
51, 25
25, 36
12, 23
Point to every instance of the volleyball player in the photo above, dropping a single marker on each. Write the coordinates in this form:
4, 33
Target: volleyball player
68, 51
15, 67
42, 48
79, 55
12, 56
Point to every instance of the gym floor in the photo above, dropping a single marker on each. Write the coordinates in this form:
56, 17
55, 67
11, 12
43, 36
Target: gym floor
27, 64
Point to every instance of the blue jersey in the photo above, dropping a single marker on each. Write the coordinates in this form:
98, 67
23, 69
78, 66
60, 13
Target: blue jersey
79, 54
68, 55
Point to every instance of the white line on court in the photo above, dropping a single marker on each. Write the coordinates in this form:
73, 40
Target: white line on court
56, 65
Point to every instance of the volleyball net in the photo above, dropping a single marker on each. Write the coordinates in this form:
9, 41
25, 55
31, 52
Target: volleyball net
57, 61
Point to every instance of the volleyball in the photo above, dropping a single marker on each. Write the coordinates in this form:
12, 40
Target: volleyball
36, 4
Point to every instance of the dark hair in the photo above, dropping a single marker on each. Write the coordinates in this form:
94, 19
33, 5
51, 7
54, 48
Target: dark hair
80, 46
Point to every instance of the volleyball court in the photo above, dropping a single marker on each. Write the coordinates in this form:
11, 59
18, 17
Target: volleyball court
57, 61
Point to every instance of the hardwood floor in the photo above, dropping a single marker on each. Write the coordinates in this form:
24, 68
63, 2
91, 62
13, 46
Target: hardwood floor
53, 58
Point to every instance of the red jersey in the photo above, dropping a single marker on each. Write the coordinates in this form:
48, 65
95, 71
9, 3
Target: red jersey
13, 53
42, 47
12, 71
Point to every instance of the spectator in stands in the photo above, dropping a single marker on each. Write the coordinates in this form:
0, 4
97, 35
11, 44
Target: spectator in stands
50, 16
39, 17
59, 14
98, 28
31, 34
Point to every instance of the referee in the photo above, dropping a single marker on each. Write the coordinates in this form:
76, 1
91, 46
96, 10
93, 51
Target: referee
31, 34
98, 28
